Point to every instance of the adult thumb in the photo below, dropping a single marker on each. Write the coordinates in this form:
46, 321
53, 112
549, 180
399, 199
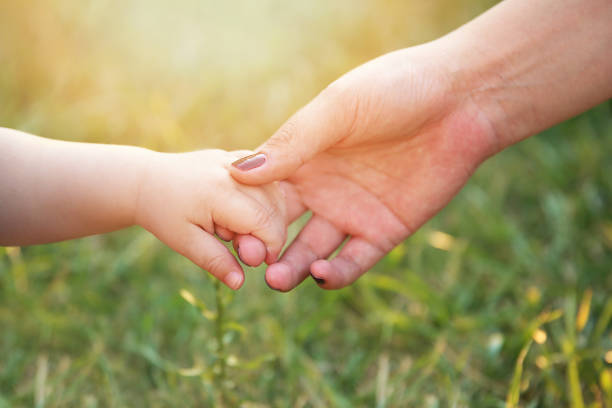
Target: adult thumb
312, 130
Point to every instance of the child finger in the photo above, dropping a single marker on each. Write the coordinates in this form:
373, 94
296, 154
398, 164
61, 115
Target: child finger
244, 214
250, 249
224, 233
211, 255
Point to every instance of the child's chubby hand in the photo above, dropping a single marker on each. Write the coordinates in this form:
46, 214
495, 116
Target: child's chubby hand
185, 198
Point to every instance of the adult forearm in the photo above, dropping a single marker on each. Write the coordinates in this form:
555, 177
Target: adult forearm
531, 64
52, 190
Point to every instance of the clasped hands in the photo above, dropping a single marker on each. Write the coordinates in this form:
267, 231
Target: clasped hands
386, 146
373, 156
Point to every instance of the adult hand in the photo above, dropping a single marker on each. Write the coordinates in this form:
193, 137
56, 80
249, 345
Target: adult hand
385, 147
374, 156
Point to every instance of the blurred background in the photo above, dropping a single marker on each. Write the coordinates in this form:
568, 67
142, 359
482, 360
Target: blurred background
502, 298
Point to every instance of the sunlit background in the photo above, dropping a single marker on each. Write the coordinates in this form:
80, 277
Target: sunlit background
176, 75
505, 294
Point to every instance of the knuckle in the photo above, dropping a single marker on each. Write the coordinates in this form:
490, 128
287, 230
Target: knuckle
285, 135
287, 142
215, 264
265, 215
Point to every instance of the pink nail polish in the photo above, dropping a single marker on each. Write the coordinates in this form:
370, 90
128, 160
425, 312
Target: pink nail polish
250, 162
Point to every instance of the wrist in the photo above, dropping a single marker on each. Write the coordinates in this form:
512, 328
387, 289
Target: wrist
144, 164
524, 73
476, 82
487, 83
465, 110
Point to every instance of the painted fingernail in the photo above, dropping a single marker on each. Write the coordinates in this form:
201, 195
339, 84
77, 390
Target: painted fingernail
320, 281
250, 162
234, 280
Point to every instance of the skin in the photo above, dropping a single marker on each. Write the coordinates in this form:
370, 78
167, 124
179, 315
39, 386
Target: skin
386, 146
53, 190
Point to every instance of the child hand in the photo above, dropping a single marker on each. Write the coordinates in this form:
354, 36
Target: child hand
185, 198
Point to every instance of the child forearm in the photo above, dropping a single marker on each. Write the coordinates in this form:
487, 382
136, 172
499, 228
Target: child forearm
53, 190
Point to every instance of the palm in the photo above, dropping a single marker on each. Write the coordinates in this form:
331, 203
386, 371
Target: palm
377, 196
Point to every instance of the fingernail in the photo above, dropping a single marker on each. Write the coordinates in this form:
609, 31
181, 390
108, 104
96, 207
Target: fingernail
250, 162
320, 281
233, 280
270, 253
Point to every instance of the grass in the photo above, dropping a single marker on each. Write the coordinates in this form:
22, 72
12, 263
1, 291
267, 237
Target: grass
502, 300
444, 320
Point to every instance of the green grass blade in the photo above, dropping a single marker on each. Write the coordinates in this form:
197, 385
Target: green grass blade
514, 392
